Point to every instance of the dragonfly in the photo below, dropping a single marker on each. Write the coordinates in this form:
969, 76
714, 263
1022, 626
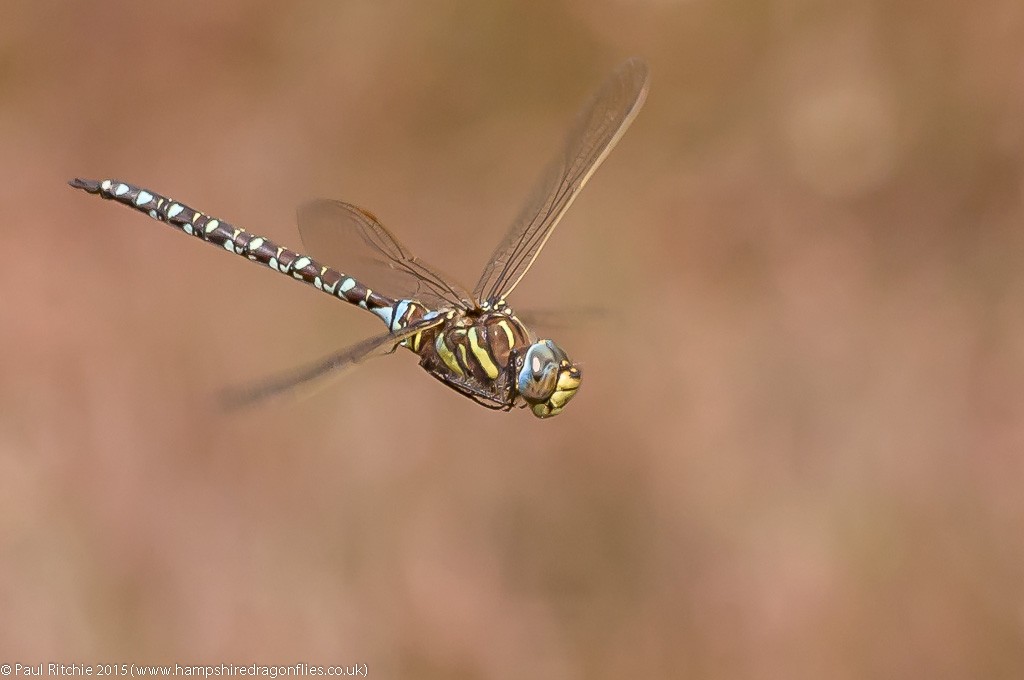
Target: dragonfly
472, 341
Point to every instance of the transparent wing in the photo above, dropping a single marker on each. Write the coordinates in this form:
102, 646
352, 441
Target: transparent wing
353, 240
597, 129
234, 398
552, 319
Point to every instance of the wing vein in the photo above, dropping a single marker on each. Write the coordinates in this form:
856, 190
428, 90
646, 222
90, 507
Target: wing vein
597, 129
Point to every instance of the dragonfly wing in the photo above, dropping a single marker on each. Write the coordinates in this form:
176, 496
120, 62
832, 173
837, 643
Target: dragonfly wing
240, 397
349, 236
597, 129
561, 319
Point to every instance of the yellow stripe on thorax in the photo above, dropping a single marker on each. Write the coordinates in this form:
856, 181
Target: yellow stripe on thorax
482, 355
446, 355
508, 333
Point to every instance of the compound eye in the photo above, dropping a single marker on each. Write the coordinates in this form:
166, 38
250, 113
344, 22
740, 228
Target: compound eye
539, 375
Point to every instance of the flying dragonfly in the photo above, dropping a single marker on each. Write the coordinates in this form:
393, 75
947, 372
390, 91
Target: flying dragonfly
472, 342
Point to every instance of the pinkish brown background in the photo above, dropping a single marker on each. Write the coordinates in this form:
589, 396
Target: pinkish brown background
798, 451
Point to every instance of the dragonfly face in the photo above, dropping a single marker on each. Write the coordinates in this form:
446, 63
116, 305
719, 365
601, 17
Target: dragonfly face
469, 340
547, 380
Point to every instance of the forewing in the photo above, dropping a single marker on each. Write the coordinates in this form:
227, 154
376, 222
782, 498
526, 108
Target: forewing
235, 398
353, 240
550, 319
598, 127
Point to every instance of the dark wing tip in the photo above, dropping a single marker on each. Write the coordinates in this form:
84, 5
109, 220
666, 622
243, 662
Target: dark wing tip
90, 185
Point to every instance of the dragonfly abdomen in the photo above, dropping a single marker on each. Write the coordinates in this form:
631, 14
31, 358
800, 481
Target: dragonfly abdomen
241, 242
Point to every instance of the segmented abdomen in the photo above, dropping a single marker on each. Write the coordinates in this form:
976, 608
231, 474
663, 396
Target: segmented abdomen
239, 241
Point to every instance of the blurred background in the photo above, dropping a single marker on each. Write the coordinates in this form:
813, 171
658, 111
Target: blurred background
798, 451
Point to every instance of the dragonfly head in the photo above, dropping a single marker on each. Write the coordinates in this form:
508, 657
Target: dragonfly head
547, 380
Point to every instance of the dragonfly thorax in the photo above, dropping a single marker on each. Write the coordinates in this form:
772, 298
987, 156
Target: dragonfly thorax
489, 355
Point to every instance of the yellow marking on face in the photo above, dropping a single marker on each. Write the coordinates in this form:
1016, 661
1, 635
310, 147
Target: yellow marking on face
561, 397
508, 332
566, 381
446, 355
481, 355
545, 411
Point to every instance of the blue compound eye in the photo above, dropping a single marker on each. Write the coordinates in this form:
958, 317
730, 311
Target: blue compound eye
539, 375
